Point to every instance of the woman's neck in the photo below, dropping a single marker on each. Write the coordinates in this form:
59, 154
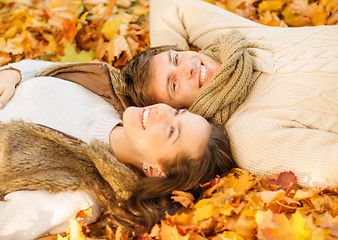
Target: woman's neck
119, 143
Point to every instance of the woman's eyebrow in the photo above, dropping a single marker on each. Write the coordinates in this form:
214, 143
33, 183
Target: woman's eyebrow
179, 127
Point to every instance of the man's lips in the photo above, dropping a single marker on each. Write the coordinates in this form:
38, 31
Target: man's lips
203, 75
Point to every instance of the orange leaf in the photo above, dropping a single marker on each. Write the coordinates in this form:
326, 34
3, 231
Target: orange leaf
171, 233
317, 14
274, 226
4, 58
83, 214
121, 234
69, 29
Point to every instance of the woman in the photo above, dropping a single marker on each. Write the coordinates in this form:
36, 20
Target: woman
178, 149
274, 89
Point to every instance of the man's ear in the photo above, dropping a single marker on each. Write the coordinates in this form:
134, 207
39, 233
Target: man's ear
152, 171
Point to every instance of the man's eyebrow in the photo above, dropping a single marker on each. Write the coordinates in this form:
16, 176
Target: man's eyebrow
168, 77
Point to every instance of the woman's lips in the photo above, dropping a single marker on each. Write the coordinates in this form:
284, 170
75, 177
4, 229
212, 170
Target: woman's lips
144, 117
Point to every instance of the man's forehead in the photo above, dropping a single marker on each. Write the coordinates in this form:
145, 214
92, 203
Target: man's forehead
157, 81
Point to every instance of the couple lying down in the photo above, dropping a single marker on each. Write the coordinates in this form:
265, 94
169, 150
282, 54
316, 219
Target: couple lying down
52, 175
272, 89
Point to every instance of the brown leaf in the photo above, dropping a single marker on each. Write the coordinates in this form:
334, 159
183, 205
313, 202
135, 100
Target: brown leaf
184, 198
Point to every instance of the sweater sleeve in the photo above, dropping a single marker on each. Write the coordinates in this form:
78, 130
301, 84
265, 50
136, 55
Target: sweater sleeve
265, 146
183, 22
29, 68
31, 214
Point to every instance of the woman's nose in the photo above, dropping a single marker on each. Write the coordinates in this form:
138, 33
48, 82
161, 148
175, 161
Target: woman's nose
161, 115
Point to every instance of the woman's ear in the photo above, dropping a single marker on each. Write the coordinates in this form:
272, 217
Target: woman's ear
152, 171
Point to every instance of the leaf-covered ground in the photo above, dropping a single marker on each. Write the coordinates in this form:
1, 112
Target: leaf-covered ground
238, 206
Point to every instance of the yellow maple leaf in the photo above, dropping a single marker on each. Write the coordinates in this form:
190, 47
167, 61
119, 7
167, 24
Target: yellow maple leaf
204, 209
72, 56
110, 28
11, 32
329, 5
299, 226
273, 5
244, 182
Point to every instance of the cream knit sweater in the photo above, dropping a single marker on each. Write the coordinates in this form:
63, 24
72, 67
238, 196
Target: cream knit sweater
289, 121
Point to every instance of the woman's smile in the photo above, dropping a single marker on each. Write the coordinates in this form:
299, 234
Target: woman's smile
145, 112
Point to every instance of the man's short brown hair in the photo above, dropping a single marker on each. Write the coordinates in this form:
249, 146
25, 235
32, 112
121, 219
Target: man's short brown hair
137, 74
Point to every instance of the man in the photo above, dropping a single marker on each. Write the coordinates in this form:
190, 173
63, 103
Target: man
274, 89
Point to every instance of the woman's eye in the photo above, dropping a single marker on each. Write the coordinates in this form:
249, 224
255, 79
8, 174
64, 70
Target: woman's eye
174, 85
172, 130
176, 59
177, 111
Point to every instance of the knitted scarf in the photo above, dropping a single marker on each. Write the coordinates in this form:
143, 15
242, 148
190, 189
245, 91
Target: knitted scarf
33, 157
231, 84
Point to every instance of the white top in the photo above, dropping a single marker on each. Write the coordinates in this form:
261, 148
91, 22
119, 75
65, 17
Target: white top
59, 104
66, 107
289, 121
32, 214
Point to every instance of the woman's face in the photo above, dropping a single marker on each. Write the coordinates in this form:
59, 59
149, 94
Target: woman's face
161, 132
177, 77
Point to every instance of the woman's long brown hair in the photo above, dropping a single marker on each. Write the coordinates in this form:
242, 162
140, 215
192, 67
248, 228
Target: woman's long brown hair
151, 199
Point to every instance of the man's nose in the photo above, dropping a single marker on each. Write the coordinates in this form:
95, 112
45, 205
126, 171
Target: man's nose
185, 70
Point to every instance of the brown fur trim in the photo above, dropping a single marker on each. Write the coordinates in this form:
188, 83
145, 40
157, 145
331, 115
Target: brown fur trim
34, 157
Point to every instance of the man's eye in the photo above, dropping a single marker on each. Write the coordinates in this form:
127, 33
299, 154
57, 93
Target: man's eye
172, 130
176, 59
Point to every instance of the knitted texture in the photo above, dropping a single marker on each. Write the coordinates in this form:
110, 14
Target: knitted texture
229, 86
289, 119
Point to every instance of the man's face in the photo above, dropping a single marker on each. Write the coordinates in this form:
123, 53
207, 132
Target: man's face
177, 77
